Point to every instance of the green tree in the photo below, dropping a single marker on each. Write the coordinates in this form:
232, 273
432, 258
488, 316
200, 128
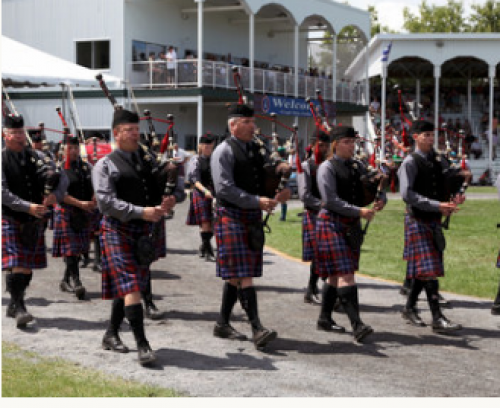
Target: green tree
436, 19
485, 19
376, 27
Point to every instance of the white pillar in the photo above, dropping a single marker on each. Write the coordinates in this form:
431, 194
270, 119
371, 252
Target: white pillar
334, 68
252, 51
199, 123
469, 100
367, 76
382, 113
437, 75
296, 60
492, 72
200, 42
418, 98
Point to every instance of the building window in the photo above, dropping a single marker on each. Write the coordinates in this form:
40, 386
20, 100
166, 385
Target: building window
93, 54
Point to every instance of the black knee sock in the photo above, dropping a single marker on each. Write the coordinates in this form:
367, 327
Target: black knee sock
432, 290
117, 316
415, 291
349, 298
97, 250
135, 316
329, 296
205, 238
407, 284
147, 293
67, 271
19, 283
72, 269
497, 299
248, 300
313, 280
229, 298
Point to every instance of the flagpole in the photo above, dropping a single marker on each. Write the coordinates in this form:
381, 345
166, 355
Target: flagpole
382, 113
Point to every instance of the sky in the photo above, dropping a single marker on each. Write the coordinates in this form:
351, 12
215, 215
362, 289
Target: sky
390, 12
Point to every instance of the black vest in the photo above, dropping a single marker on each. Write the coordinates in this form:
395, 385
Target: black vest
313, 169
80, 182
22, 180
135, 186
248, 173
429, 183
206, 174
348, 179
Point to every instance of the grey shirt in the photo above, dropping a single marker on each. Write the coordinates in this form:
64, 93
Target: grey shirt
304, 181
222, 167
104, 176
194, 170
16, 203
407, 174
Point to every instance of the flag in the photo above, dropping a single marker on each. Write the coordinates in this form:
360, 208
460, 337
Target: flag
386, 51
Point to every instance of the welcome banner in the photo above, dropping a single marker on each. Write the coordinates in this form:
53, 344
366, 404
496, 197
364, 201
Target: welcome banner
281, 105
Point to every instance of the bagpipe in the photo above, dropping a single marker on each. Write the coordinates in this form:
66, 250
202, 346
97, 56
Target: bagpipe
164, 170
50, 171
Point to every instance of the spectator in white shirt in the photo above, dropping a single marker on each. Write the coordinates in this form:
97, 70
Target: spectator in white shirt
171, 61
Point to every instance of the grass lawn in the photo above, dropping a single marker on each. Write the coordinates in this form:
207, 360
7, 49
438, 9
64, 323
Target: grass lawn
470, 256
25, 374
482, 190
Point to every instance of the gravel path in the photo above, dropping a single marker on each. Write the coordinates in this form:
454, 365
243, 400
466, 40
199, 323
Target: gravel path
397, 360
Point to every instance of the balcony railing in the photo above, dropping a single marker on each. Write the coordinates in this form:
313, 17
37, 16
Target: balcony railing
183, 74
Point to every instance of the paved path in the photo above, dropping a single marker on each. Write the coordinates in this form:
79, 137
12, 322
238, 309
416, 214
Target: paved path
397, 360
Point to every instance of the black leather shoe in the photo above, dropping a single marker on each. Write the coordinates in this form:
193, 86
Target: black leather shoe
152, 312
361, 331
23, 317
263, 336
146, 355
11, 310
79, 290
226, 331
97, 267
113, 342
404, 291
312, 298
443, 325
66, 287
412, 316
85, 262
209, 256
329, 325
495, 309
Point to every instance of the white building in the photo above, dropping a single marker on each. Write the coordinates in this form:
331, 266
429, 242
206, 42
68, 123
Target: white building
117, 36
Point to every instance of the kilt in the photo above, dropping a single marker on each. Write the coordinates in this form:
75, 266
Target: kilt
161, 240
68, 242
121, 274
234, 258
200, 208
498, 260
334, 257
14, 254
424, 261
308, 235
95, 218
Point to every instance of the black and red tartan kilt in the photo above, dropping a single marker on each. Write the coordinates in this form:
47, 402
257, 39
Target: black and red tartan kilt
334, 257
200, 208
68, 242
234, 258
424, 260
308, 235
121, 274
95, 218
15, 254
161, 240
498, 260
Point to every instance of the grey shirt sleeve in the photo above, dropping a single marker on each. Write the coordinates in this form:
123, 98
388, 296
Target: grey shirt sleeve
327, 185
407, 174
194, 172
304, 182
104, 175
222, 166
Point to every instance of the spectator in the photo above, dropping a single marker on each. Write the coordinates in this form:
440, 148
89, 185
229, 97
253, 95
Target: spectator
375, 106
171, 61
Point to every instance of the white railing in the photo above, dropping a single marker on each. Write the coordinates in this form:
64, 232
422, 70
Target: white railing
183, 73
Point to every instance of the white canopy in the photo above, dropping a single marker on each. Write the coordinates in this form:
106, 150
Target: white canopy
26, 66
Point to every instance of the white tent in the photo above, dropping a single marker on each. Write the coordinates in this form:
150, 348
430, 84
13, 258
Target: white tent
26, 66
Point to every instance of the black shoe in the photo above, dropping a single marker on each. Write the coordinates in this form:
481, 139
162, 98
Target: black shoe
443, 325
146, 355
22, 317
329, 325
65, 286
209, 256
311, 297
79, 290
11, 310
97, 267
404, 291
412, 316
495, 309
443, 302
226, 331
361, 331
263, 336
201, 251
152, 312
113, 342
